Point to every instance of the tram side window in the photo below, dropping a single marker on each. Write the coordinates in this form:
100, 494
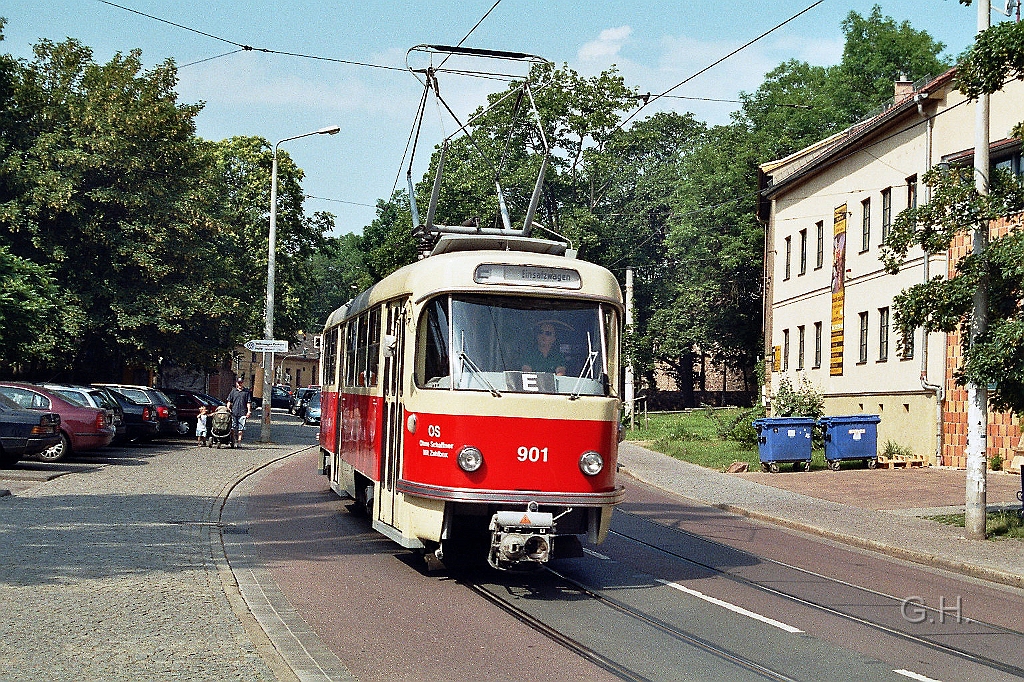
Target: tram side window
361, 351
331, 357
373, 347
350, 353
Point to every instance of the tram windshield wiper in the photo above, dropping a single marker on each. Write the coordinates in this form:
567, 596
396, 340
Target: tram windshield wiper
588, 366
483, 377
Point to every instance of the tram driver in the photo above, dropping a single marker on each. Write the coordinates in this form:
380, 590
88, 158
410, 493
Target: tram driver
544, 355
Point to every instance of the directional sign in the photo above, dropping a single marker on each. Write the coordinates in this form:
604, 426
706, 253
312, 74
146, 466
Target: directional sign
267, 346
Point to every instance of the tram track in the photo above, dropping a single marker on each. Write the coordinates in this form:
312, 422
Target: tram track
621, 671
896, 602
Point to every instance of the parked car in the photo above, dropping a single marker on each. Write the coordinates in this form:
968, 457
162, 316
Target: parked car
24, 433
82, 427
166, 413
140, 420
93, 397
279, 397
312, 415
188, 404
298, 399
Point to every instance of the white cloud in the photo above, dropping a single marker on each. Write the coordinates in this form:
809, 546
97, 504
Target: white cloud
608, 44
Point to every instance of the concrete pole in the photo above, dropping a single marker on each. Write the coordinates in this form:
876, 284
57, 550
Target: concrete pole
977, 395
268, 330
629, 403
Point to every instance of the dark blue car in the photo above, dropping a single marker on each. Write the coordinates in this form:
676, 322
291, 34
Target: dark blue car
25, 432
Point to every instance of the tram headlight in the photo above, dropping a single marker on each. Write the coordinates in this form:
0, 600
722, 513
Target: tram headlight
591, 463
470, 459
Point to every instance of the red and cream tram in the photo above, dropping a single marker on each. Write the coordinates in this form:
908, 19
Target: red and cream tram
470, 401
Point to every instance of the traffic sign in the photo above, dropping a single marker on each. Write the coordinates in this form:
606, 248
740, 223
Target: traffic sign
267, 346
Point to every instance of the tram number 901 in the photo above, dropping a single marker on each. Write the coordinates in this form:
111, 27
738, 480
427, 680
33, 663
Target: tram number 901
534, 454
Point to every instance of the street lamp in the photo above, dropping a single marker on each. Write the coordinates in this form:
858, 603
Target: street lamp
268, 372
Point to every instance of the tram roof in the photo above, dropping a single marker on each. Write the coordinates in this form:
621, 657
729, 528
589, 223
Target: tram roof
454, 272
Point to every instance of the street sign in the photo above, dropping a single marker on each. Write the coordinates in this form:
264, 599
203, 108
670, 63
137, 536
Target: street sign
267, 346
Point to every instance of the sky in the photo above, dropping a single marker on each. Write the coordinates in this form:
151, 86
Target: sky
655, 44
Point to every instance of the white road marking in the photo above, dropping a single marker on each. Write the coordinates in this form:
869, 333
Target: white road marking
732, 607
596, 554
915, 676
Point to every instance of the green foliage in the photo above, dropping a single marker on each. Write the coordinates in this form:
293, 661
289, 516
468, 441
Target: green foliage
996, 56
893, 449
800, 401
997, 356
736, 425
878, 51
995, 462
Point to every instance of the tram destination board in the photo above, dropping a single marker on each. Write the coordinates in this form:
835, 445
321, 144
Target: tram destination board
267, 346
527, 275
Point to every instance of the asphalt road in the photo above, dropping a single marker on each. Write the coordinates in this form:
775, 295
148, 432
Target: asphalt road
695, 593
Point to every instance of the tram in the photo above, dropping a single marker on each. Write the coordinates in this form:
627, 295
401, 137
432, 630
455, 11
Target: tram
441, 420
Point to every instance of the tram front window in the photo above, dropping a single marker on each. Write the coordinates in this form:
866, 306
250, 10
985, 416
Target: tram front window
515, 344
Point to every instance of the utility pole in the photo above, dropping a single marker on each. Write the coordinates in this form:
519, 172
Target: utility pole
977, 394
628, 389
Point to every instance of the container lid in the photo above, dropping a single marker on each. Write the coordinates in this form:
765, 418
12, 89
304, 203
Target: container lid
850, 419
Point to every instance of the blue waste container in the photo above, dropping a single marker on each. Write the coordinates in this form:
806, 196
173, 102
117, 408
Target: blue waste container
784, 439
851, 437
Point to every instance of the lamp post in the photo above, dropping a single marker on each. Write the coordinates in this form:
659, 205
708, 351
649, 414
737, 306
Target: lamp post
268, 372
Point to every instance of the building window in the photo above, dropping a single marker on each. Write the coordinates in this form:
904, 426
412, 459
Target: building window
789, 255
863, 357
865, 225
800, 346
907, 346
819, 258
785, 349
912, 191
886, 211
883, 334
803, 251
817, 345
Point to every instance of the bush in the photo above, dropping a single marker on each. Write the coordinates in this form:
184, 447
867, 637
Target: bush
996, 462
804, 401
735, 427
892, 449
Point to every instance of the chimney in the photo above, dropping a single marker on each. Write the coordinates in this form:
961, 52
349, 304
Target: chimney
903, 88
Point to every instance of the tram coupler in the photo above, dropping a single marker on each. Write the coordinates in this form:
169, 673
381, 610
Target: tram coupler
520, 537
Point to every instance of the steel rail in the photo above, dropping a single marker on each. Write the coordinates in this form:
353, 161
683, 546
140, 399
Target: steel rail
938, 646
608, 664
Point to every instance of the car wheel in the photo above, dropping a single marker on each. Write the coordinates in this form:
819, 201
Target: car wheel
58, 452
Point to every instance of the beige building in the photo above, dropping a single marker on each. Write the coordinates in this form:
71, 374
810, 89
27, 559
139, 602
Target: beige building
829, 315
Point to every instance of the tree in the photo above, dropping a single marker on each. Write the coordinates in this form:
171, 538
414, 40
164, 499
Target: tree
995, 357
877, 52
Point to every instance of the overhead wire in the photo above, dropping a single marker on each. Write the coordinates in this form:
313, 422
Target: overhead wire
249, 48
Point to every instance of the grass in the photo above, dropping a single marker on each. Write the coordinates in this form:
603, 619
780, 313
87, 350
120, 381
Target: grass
998, 524
693, 436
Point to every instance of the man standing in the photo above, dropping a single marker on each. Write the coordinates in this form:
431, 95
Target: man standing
240, 403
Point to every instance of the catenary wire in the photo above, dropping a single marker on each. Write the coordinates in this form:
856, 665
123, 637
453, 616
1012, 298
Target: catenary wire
250, 48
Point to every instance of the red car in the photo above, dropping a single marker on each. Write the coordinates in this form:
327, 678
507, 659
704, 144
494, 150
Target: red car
81, 427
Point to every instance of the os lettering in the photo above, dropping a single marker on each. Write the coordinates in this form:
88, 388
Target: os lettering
434, 431
532, 454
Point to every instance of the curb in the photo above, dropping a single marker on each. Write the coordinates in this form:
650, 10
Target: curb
287, 644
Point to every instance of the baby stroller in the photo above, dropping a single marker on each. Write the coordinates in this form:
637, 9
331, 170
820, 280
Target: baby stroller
221, 432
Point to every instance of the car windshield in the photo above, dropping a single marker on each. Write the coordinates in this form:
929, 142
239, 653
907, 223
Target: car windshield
8, 403
25, 398
135, 394
72, 396
103, 400
516, 344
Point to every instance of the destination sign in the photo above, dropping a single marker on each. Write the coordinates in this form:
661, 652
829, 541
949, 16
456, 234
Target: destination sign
267, 346
527, 275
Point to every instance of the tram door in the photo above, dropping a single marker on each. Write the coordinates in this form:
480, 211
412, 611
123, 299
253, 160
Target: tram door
391, 437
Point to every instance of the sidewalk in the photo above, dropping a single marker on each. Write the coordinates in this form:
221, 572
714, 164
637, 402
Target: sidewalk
880, 510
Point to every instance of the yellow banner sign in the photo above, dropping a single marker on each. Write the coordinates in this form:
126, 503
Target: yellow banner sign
838, 290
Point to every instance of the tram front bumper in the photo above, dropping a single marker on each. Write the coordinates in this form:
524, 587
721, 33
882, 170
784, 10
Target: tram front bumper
520, 537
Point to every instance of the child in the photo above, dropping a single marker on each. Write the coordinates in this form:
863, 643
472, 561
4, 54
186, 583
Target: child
201, 426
